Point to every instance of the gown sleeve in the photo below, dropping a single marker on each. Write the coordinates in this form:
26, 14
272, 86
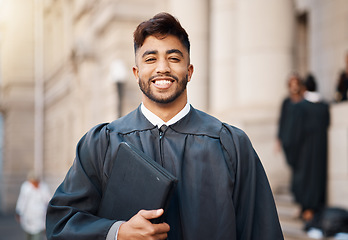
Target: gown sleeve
282, 119
72, 212
256, 214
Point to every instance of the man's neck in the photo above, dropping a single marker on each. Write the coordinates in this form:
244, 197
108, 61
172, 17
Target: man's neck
165, 111
296, 97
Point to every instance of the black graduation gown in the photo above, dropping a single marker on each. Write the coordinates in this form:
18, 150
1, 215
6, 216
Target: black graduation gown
342, 87
290, 131
310, 176
222, 192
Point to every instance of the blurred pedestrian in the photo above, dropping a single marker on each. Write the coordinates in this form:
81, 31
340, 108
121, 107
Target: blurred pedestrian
342, 85
289, 131
31, 206
310, 176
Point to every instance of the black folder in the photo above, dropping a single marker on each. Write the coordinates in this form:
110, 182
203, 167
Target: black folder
136, 182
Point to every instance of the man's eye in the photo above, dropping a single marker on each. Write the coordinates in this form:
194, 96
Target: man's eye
150, 59
175, 59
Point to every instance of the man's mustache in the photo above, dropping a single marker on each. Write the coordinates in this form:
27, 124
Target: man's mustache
163, 75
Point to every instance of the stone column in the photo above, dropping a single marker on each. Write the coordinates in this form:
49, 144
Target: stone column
223, 53
251, 55
194, 16
265, 37
265, 47
337, 193
251, 47
328, 43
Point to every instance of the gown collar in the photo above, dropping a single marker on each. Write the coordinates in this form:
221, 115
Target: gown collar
195, 122
156, 121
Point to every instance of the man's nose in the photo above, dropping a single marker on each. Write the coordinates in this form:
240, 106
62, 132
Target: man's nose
163, 66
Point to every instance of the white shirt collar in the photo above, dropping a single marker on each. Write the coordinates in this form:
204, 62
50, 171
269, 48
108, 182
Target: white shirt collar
156, 121
312, 96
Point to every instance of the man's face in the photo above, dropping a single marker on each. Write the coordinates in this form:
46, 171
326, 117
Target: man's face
163, 69
294, 86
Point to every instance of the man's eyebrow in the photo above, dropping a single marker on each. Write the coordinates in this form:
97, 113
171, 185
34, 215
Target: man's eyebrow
175, 51
149, 52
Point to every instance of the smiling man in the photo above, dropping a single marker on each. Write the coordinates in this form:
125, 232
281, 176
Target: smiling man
162, 74
222, 191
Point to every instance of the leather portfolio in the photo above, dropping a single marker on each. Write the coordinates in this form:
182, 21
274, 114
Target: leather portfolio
136, 182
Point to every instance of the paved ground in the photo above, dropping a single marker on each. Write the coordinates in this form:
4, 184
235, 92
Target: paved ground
10, 229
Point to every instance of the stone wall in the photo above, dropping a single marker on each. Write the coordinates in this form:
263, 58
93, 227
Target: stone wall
17, 97
338, 156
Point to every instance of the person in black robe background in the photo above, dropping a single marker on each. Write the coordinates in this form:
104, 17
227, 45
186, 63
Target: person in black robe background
342, 87
222, 191
342, 84
310, 176
290, 129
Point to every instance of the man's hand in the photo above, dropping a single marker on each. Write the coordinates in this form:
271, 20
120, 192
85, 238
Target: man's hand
140, 227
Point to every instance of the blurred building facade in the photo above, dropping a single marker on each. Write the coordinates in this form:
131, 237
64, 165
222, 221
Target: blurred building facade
66, 65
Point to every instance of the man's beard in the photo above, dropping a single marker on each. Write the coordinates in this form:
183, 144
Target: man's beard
145, 88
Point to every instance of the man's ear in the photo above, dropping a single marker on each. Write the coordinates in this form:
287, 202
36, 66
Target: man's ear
136, 73
190, 72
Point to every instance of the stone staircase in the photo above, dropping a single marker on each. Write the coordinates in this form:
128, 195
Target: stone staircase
288, 211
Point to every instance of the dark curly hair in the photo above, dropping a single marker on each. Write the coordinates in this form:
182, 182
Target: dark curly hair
160, 26
310, 83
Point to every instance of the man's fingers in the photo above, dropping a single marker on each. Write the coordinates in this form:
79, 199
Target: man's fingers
151, 214
161, 228
162, 236
139, 226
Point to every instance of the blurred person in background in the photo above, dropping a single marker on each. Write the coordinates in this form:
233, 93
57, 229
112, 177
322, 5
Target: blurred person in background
31, 206
289, 128
342, 85
310, 177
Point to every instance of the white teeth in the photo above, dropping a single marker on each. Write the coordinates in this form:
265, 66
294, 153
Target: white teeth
162, 82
